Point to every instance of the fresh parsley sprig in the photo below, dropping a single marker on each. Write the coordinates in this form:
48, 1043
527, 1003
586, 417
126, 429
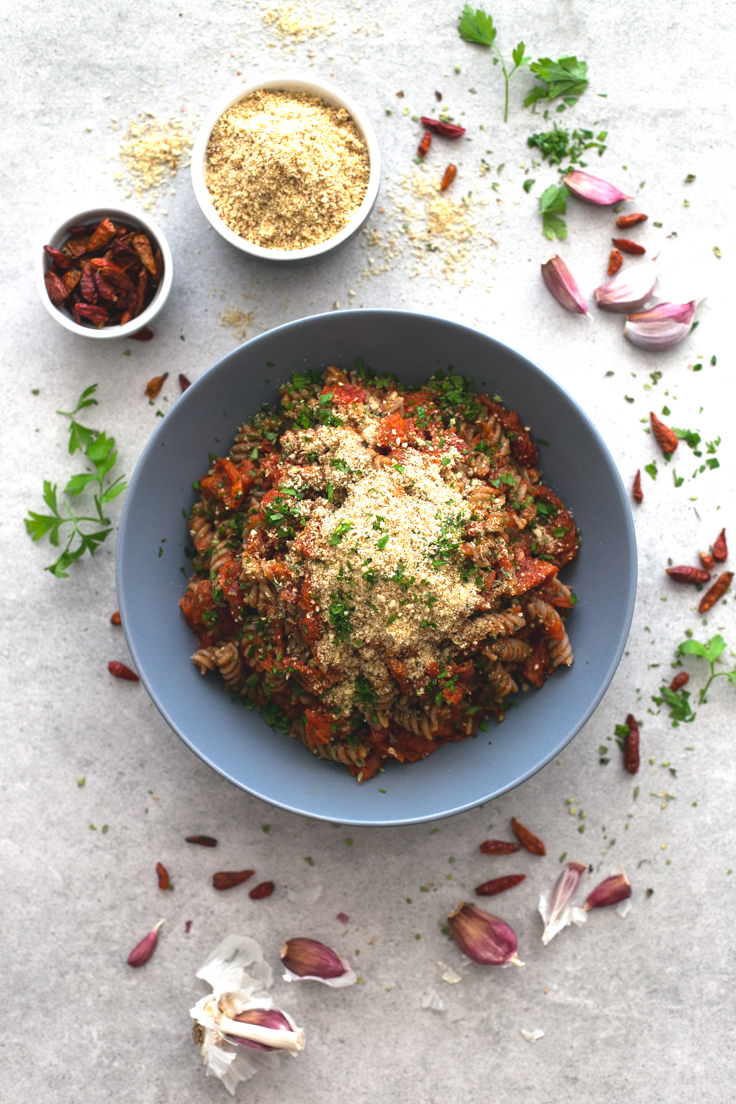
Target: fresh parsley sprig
710, 651
566, 77
678, 703
99, 450
552, 204
477, 26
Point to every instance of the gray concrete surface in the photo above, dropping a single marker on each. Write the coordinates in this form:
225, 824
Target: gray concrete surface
632, 1010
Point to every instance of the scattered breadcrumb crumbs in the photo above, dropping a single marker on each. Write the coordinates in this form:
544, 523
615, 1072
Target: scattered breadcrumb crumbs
237, 320
151, 153
438, 232
289, 24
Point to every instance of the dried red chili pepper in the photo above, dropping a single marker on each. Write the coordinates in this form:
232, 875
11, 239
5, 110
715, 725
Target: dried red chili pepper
159, 268
163, 876
142, 246
226, 879
125, 317
447, 130
707, 560
527, 839
203, 841
717, 591
449, 176
87, 284
625, 221
77, 231
71, 278
143, 335
75, 247
140, 292
153, 387
426, 142
614, 262
628, 246
61, 259
116, 275
636, 490
498, 847
665, 437
96, 315
105, 289
101, 235
498, 885
631, 745
115, 619
720, 548
265, 889
686, 574
184, 382
119, 670
680, 680
188, 926
56, 288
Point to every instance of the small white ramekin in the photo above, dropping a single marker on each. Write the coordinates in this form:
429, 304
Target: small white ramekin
294, 82
132, 217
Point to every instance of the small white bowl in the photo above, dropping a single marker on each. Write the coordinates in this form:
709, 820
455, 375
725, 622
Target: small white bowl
132, 217
294, 82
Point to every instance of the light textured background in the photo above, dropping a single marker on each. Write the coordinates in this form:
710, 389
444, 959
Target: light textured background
634, 1010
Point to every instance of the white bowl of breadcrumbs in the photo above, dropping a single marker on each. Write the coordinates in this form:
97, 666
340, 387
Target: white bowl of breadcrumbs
286, 169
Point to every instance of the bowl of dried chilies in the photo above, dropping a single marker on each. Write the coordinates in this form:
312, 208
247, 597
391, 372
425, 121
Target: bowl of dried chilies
105, 272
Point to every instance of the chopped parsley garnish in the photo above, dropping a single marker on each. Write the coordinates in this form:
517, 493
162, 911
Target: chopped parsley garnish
339, 531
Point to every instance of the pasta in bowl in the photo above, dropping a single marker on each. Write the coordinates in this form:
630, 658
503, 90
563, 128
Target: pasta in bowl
252, 747
378, 565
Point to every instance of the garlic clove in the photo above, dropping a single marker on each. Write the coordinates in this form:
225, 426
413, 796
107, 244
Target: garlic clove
594, 190
483, 938
144, 950
562, 285
629, 289
662, 326
609, 892
555, 907
270, 1018
309, 960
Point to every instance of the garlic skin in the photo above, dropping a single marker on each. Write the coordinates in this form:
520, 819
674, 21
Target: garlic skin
661, 327
611, 891
562, 285
237, 1027
594, 190
485, 939
629, 289
309, 960
555, 908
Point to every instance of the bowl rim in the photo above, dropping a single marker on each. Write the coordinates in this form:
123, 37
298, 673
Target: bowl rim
102, 210
617, 649
291, 81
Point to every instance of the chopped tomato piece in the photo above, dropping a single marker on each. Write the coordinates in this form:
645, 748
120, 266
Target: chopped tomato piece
225, 483
391, 431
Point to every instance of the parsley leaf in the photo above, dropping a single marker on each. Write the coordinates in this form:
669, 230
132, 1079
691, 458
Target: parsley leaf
566, 78
99, 451
477, 26
552, 204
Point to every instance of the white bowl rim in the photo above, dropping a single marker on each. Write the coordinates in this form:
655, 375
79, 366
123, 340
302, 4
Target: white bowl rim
291, 81
102, 210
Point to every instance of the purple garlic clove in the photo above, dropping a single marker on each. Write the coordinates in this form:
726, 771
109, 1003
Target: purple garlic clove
562, 284
663, 326
629, 289
483, 938
260, 1017
609, 892
309, 960
594, 190
144, 950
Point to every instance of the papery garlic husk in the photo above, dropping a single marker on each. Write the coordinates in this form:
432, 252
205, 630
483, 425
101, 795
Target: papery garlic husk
555, 907
309, 960
594, 190
629, 289
662, 326
483, 938
610, 892
562, 285
237, 1027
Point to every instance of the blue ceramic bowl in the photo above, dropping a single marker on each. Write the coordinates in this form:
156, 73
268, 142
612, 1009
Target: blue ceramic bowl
238, 743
